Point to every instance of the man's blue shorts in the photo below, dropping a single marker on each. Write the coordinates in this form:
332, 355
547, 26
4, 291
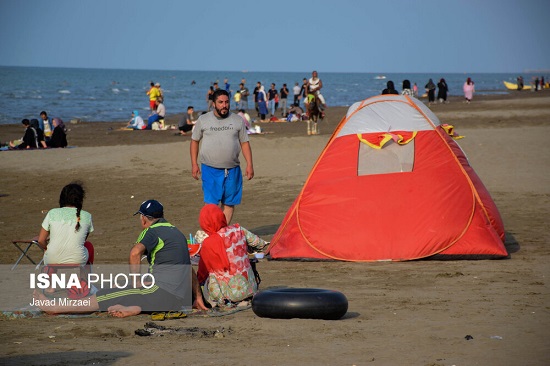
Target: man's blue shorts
222, 185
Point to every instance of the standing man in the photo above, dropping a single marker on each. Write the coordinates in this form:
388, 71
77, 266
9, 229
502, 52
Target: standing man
153, 94
161, 92
244, 96
45, 124
256, 91
223, 136
272, 96
227, 86
314, 86
284, 97
296, 91
303, 91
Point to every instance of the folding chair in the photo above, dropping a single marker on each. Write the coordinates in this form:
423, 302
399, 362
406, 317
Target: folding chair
20, 244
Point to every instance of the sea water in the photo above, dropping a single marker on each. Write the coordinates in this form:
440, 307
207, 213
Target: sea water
112, 94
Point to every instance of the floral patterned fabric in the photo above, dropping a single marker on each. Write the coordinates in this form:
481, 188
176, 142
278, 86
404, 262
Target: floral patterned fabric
224, 268
237, 282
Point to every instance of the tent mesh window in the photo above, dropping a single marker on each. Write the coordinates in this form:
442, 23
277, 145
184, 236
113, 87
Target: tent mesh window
392, 158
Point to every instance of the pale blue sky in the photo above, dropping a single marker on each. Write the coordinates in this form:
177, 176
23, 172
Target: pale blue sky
280, 35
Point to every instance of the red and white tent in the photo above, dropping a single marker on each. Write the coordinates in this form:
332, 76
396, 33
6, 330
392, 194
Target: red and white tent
392, 184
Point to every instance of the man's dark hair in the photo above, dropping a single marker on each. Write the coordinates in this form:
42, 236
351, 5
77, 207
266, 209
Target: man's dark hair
190, 107
44, 113
25, 122
219, 93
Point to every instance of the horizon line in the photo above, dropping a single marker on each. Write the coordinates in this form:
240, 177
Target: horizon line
527, 71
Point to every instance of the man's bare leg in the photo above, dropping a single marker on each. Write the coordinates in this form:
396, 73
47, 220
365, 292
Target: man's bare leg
120, 311
228, 212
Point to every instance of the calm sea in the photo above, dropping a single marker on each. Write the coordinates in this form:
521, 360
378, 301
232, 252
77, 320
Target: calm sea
111, 95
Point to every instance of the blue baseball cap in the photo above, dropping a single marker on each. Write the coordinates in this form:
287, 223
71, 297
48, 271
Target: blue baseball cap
151, 208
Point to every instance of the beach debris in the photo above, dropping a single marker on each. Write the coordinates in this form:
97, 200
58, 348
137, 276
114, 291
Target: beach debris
450, 274
75, 121
496, 337
468, 337
153, 329
142, 332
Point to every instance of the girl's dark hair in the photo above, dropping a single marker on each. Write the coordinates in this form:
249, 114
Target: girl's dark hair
73, 195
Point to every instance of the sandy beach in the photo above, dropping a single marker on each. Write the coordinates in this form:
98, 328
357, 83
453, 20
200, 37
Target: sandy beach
408, 313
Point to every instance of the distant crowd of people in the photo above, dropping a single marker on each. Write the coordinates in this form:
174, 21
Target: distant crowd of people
430, 87
41, 133
155, 120
270, 102
537, 83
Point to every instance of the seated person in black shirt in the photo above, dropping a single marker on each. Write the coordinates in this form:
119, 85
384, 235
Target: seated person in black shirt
187, 123
59, 136
29, 140
39, 133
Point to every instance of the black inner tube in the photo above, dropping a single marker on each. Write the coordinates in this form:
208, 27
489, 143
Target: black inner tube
308, 303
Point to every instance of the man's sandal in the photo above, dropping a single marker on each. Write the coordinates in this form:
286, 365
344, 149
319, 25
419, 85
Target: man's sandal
175, 315
158, 316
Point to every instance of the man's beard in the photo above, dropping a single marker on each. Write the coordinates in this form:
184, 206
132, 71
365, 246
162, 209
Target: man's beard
223, 113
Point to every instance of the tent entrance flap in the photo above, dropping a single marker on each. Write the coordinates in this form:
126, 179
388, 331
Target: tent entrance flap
392, 158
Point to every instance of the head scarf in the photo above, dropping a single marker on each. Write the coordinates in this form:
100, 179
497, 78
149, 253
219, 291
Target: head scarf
213, 253
262, 90
58, 122
430, 84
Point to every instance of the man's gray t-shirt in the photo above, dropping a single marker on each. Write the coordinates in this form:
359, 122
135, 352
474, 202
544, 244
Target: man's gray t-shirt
221, 139
244, 94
